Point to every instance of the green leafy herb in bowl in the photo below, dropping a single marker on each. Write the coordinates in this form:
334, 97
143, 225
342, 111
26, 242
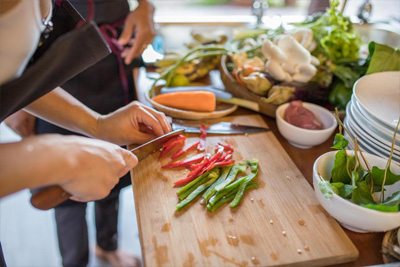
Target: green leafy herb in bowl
360, 190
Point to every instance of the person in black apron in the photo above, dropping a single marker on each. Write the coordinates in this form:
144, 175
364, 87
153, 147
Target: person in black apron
102, 88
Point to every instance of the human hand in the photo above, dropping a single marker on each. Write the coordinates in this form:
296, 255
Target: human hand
22, 123
132, 124
141, 21
93, 167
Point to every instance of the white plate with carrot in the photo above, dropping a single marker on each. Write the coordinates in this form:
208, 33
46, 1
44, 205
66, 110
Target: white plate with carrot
192, 105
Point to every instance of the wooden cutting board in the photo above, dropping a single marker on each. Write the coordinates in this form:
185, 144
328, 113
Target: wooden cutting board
280, 223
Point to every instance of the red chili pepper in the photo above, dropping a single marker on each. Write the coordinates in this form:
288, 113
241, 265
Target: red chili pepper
203, 134
172, 143
173, 139
195, 166
227, 156
193, 174
184, 163
226, 147
184, 150
224, 163
208, 166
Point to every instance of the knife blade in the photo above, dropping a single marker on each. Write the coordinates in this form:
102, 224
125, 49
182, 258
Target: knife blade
222, 128
143, 151
52, 196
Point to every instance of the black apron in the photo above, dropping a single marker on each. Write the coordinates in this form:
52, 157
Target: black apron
99, 87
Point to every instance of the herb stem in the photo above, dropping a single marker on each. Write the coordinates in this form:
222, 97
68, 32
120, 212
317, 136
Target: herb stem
351, 137
389, 161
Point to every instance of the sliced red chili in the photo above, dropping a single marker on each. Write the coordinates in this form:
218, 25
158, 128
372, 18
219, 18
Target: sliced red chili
172, 143
203, 134
173, 139
227, 147
184, 163
224, 163
184, 150
227, 156
193, 174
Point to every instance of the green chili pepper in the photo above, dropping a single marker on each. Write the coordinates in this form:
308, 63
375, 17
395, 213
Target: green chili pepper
229, 197
211, 190
231, 176
214, 176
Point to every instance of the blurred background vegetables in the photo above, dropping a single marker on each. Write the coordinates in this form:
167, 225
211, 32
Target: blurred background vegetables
316, 61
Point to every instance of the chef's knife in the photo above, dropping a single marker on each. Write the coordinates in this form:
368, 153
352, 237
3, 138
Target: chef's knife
52, 196
222, 128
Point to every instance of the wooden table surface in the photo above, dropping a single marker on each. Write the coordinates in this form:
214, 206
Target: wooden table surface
368, 244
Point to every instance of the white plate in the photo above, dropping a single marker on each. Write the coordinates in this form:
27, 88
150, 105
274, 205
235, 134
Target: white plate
222, 110
367, 135
379, 95
379, 129
367, 147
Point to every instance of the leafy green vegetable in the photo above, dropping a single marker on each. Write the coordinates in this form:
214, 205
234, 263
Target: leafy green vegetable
392, 204
326, 188
383, 58
340, 171
335, 36
350, 181
379, 174
343, 190
340, 142
362, 194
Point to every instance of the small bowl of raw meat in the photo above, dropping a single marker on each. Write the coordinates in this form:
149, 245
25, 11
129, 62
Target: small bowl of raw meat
305, 124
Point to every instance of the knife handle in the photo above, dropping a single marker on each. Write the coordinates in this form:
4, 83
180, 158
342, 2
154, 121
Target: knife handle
49, 197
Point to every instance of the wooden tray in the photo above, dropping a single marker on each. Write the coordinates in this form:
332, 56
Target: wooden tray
222, 109
280, 223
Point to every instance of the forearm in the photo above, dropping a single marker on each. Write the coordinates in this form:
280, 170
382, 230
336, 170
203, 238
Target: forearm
62, 109
34, 162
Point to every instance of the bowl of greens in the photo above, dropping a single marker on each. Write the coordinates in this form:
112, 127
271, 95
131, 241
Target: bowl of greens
348, 185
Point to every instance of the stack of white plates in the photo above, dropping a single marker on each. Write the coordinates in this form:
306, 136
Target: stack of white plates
373, 113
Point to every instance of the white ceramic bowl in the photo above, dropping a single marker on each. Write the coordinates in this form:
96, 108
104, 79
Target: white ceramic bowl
348, 214
304, 138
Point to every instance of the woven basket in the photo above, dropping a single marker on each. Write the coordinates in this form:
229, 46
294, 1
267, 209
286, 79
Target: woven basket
390, 239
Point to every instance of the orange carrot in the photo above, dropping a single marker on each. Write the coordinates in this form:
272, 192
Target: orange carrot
201, 101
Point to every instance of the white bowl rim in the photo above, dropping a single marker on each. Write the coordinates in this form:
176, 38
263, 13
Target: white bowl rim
291, 126
340, 199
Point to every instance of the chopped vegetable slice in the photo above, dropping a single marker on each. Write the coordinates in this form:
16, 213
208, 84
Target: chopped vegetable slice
184, 163
193, 174
184, 150
229, 197
226, 147
232, 175
214, 175
203, 134
172, 143
211, 190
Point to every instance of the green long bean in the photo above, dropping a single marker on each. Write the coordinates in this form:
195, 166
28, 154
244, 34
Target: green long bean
198, 190
211, 190
212, 174
254, 170
229, 197
231, 176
